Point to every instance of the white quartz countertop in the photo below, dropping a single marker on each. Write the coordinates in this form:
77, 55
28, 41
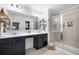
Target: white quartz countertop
19, 34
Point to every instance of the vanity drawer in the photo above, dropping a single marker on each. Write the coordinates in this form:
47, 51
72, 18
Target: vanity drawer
5, 41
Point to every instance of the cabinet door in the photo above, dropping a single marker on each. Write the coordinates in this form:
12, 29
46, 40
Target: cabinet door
6, 47
19, 44
12, 46
35, 42
40, 41
45, 39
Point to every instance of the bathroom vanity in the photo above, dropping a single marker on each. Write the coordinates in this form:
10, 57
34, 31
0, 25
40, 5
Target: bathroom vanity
12, 46
40, 41
16, 26
15, 44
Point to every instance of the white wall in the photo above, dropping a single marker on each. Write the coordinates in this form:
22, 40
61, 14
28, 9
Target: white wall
71, 34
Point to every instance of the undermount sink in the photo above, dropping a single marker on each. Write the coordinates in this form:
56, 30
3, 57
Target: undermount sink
14, 33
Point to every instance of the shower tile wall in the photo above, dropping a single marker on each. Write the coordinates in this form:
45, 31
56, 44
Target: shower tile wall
71, 34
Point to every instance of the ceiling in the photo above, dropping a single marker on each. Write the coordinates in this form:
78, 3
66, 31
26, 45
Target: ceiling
59, 7
53, 8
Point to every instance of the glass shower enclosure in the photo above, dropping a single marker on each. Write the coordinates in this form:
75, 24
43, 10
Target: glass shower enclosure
56, 30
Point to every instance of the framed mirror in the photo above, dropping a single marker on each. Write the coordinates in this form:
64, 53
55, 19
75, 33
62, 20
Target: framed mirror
27, 25
15, 26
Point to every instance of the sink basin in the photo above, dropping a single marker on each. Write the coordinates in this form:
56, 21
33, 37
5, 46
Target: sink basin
14, 33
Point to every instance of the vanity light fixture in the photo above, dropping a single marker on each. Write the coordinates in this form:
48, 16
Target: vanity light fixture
4, 19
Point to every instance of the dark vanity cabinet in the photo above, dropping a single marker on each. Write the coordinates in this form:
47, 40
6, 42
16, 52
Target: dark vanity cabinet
12, 46
45, 36
16, 45
19, 46
40, 41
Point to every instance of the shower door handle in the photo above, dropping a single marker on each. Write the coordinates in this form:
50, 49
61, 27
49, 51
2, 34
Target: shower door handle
61, 35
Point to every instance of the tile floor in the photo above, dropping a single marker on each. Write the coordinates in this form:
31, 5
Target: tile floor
45, 51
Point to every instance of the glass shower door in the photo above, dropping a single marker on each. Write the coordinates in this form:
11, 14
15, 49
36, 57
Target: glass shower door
56, 30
